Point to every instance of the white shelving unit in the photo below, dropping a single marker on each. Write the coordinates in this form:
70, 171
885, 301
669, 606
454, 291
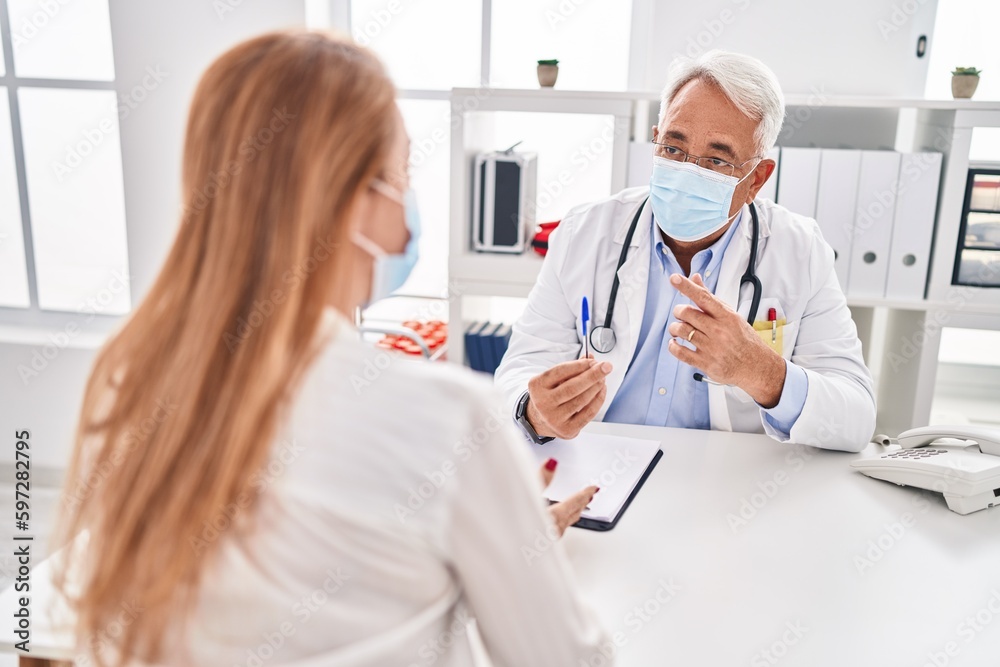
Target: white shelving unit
483, 274
901, 338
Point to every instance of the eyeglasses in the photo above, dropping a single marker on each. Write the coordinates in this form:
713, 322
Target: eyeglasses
715, 164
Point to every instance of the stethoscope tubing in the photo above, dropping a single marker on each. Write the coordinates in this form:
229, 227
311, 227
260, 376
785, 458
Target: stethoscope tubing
607, 338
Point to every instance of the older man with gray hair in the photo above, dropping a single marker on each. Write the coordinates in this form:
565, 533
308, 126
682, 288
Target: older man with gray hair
710, 308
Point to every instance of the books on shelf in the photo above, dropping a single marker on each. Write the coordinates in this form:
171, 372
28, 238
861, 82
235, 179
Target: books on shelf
485, 345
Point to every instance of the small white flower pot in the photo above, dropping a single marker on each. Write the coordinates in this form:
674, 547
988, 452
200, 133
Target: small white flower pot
547, 75
963, 85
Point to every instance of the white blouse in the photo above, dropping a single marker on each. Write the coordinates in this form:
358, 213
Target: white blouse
400, 501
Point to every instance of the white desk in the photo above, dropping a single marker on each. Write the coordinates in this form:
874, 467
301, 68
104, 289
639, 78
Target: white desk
793, 562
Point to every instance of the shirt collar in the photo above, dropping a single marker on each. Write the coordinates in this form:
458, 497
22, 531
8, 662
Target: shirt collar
714, 251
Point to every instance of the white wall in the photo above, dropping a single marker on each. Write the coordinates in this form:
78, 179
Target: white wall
177, 39
181, 38
864, 47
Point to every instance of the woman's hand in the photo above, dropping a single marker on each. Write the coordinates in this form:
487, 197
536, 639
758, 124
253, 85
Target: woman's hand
566, 513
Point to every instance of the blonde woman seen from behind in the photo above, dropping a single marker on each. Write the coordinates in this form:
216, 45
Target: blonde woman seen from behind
259, 484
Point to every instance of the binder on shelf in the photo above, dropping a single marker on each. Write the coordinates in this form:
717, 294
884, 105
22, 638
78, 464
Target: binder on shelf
876, 208
473, 349
489, 349
913, 225
798, 180
770, 188
836, 202
501, 339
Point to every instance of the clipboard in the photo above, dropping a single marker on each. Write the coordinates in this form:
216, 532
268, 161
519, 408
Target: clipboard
619, 465
594, 524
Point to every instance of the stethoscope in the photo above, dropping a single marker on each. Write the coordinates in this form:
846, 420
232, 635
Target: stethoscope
602, 337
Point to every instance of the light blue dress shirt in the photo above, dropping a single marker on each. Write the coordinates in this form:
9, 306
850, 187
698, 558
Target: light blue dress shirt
660, 390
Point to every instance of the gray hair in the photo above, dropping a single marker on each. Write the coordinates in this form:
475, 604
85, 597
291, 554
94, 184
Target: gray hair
748, 83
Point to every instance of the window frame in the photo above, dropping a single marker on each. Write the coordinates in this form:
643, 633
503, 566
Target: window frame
33, 316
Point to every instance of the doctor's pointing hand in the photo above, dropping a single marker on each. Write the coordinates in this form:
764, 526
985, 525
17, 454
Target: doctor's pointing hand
726, 348
712, 308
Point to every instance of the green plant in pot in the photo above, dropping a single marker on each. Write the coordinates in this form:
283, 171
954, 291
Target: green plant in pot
548, 71
964, 81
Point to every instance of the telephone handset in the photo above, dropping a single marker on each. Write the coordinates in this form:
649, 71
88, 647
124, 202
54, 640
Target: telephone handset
968, 474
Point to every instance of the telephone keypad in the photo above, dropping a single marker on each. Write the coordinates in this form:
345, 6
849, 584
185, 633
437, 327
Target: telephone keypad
920, 453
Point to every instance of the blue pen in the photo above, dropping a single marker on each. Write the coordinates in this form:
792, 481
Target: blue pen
585, 319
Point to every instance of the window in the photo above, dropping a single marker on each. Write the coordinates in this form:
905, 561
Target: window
13, 275
428, 124
62, 211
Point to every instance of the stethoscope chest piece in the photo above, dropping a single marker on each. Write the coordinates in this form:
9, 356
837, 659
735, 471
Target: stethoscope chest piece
602, 339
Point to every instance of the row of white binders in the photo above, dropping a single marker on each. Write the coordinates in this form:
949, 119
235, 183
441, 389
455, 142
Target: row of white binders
875, 208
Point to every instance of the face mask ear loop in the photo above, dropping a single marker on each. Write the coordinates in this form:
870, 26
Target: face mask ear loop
387, 190
368, 245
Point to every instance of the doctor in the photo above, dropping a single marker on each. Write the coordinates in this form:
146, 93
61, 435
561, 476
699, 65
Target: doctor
710, 309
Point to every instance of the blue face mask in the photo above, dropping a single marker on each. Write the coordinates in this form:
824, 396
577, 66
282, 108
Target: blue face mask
390, 271
690, 202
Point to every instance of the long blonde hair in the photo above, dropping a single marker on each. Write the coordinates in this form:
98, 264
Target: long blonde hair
181, 408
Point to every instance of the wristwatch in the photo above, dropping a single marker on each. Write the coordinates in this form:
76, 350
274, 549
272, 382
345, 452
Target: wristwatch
521, 417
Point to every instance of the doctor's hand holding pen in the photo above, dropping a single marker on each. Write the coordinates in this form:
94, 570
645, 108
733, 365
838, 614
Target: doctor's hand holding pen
727, 348
566, 397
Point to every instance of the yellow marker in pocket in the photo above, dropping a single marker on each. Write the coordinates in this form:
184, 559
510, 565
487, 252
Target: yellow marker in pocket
770, 331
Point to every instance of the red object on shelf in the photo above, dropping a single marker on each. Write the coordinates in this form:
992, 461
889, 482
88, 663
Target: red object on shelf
540, 241
434, 334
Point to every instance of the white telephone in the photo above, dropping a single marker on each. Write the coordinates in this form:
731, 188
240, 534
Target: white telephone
967, 474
